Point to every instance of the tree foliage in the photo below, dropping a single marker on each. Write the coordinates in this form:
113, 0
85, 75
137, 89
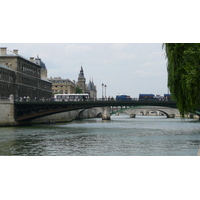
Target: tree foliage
183, 66
78, 90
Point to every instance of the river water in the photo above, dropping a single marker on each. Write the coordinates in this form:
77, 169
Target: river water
122, 136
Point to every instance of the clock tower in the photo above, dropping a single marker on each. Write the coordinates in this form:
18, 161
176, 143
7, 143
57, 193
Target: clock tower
81, 80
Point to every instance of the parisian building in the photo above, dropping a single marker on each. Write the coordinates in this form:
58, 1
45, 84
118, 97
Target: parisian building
89, 88
81, 81
62, 86
43, 67
7, 81
23, 77
66, 86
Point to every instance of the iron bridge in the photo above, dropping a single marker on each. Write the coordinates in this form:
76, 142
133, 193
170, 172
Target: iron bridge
26, 111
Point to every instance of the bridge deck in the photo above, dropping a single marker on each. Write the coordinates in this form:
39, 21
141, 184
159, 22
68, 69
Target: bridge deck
35, 109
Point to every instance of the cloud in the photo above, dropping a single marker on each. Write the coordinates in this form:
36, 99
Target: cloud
118, 46
155, 55
77, 48
149, 74
125, 67
125, 56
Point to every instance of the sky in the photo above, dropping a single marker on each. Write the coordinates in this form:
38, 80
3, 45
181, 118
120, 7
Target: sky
118, 44
125, 68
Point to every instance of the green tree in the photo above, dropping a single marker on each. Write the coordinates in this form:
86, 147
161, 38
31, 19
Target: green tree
78, 90
183, 66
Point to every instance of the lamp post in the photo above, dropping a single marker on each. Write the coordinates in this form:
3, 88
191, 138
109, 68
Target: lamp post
102, 90
105, 90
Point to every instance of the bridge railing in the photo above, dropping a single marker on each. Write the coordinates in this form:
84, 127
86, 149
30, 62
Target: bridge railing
4, 98
87, 99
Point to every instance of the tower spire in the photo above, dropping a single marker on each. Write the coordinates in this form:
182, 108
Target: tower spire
81, 80
81, 74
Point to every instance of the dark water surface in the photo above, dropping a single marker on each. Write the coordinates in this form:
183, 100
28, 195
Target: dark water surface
122, 136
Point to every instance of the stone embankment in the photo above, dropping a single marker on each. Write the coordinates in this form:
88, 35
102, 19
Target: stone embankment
70, 116
7, 112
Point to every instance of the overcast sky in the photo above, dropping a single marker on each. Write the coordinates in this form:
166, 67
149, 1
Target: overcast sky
126, 68
118, 43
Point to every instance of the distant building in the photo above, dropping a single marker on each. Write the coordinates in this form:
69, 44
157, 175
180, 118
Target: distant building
81, 81
89, 88
22, 77
62, 86
66, 86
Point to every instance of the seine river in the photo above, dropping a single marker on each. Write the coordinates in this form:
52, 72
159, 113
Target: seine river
122, 136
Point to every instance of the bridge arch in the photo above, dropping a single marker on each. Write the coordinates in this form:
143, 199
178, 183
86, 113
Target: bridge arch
168, 112
89, 112
80, 113
168, 116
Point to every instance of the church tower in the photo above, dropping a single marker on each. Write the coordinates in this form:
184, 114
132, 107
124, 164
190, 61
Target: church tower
81, 80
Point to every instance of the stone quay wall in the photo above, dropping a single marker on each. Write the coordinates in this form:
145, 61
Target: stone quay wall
7, 112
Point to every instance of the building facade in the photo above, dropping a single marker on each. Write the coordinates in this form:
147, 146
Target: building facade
62, 86
7, 81
22, 77
89, 88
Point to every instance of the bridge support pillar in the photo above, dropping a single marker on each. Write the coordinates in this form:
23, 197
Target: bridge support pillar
105, 113
145, 113
191, 116
132, 115
171, 116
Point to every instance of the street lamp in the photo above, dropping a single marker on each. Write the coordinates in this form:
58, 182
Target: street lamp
102, 90
105, 90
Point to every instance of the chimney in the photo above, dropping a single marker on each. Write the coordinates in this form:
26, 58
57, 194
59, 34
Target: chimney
32, 59
15, 51
3, 51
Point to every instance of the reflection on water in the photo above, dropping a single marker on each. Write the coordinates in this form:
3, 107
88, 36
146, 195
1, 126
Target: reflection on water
122, 136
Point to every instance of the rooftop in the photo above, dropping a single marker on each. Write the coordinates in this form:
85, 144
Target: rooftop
91, 86
8, 53
39, 62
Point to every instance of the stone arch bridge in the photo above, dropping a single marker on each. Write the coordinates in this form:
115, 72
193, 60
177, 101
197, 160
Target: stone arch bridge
133, 111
